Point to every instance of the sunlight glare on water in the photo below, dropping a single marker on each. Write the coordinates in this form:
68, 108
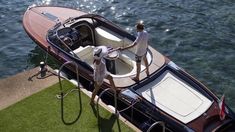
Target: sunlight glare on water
197, 35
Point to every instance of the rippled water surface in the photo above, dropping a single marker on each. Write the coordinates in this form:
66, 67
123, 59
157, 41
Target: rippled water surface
198, 35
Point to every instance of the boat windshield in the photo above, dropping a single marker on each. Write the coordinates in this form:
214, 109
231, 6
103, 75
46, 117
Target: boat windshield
70, 19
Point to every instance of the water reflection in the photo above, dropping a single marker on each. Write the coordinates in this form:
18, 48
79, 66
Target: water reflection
37, 55
198, 35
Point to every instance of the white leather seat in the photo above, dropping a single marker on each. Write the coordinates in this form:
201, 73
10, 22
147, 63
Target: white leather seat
82, 51
108, 38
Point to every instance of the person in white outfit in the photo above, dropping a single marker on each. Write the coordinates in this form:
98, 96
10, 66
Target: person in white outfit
141, 44
100, 70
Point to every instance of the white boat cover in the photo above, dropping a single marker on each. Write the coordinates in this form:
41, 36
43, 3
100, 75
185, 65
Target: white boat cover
174, 96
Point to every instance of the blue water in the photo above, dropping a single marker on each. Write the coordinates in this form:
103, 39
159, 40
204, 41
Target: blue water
198, 35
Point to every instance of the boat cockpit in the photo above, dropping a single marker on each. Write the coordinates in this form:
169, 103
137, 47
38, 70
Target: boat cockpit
79, 36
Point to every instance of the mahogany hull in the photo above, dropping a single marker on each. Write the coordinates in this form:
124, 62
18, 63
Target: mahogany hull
37, 21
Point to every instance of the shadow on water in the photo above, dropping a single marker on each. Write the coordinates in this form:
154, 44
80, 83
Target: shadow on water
37, 55
198, 35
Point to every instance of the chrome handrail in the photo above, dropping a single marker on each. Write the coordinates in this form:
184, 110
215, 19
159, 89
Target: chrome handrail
66, 63
117, 112
156, 123
115, 101
62, 92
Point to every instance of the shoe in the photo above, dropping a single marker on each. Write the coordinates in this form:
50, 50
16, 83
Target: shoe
147, 73
118, 90
135, 79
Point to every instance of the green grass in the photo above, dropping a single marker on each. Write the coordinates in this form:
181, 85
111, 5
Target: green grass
41, 112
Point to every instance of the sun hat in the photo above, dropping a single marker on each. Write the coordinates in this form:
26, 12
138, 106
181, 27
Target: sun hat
100, 52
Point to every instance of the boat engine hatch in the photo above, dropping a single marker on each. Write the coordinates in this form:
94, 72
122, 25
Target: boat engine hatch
176, 97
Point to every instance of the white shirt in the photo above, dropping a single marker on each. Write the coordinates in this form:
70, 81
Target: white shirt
142, 43
100, 72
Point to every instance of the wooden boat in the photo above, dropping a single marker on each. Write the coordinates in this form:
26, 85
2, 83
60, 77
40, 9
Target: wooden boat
169, 95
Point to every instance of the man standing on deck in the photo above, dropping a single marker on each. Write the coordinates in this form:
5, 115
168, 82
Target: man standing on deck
141, 44
100, 71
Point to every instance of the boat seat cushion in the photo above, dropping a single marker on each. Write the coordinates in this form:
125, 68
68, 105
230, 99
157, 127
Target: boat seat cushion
108, 38
83, 51
169, 91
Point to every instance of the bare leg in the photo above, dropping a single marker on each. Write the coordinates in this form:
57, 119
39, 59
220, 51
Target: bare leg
146, 65
138, 64
96, 89
110, 78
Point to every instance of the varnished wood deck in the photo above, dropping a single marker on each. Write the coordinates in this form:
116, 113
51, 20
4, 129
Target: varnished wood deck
37, 25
